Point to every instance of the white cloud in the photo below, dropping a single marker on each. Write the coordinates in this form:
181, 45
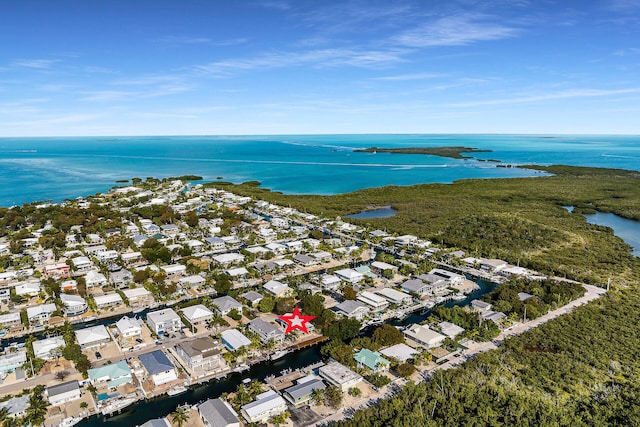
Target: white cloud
416, 76
576, 93
456, 30
41, 64
201, 40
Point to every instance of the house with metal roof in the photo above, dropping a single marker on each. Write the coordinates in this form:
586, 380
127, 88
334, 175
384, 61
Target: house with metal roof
266, 405
157, 422
265, 330
10, 361
352, 309
301, 393
62, 393
218, 413
108, 300
92, 337
197, 314
372, 360
158, 367
40, 314
113, 375
164, 321
234, 339
46, 348
225, 304
276, 288
423, 336
74, 305
129, 327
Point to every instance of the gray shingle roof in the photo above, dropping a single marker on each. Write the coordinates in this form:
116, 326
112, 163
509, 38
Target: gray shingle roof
217, 413
156, 362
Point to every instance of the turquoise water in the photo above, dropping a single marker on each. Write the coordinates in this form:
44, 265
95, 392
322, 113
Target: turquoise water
627, 229
58, 168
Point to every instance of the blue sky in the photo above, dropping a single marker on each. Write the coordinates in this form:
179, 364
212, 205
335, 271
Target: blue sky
136, 67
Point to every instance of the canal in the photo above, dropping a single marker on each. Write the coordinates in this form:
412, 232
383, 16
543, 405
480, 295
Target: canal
162, 406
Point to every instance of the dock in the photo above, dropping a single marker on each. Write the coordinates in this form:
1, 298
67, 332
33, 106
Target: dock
309, 343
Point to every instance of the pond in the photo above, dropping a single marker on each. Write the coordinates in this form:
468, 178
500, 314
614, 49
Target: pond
385, 212
627, 229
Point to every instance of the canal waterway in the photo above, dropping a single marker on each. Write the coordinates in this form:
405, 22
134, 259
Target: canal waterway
162, 406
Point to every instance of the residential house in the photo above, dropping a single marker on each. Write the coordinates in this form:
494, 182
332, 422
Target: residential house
74, 305
225, 304
108, 300
197, 314
200, 356
10, 320
57, 271
95, 279
69, 286
302, 392
234, 339
158, 367
450, 330
164, 321
94, 336
266, 405
349, 275
129, 327
40, 314
481, 305
372, 360
417, 286
400, 352
423, 336
107, 256
138, 297
265, 330
112, 375
228, 258
376, 302
352, 309
48, 348
395, 297
63, 393
277, 289
10, 361
218, 413
82, 264
120, 278
174, 271
192, 281
305, 260
131, 259
330, 282
216, 243
339, 375
379, 267
252, 297
29, 288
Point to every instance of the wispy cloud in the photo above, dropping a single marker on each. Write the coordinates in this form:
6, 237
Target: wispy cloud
456, 30
274, 4
181, 40
357, 16
316, 58
51, 120
122, 95
624, 5
627, 52
41, 64
568, 94
416, 76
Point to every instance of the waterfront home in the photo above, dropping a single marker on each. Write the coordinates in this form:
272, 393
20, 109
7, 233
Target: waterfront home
401, 352
10, 361
305, 260
112, 375
94, 336
252, 297
322, 256
197, 314
276, 248
108, 300
330, 282
138, 296
218, 413
416, 286
258, 251
349, 275
107, 256
234, 339
406, 240
40, 314
238, 273
95, 279
63, 393
225, 304
129, 327
339, 375
372, 360
379, 267
132, 258
395, 297
423, 336
439, 273
306, 286
158, 367
16, 407
164, 321
5, 296
480, 305
157, 422
294, 246
265, 330
449, 329
69, 286
280, 222
82, 264
266, 405
74, 305
215, 243
376, 302
48, 348
200, 356
277, 289
301, 393
10, 320
170, 229
351, 309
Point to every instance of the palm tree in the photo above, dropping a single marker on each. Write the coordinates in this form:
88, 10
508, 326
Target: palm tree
180, 416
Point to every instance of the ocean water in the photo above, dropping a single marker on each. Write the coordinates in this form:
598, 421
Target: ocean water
34, 169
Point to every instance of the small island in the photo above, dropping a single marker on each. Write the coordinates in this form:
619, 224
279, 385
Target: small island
454, 152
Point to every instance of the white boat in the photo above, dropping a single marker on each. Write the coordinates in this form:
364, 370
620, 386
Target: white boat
241, 368
279, 354
174, 391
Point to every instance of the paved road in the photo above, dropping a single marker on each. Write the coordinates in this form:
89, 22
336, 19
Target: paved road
20, 385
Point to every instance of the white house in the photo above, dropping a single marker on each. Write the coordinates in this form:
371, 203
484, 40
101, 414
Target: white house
352, 309
234, 339
46, 348
95, 279
158, 367
92, 337
164, 321
424, 336
265, 406
349, 275
225, 304
376, 302
218, 413
395, 297
276, 288
108, 300
174, 270
330, 282
265, 330
339, 375
74, 305
30, 288
138, 296
197, 314
40, 314
63, 393
129, 327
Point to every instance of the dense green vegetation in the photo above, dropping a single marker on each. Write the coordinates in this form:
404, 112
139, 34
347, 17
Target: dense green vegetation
580, 369
517, 219
453, 151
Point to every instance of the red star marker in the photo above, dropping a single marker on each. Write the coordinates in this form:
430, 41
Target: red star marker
296, 321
